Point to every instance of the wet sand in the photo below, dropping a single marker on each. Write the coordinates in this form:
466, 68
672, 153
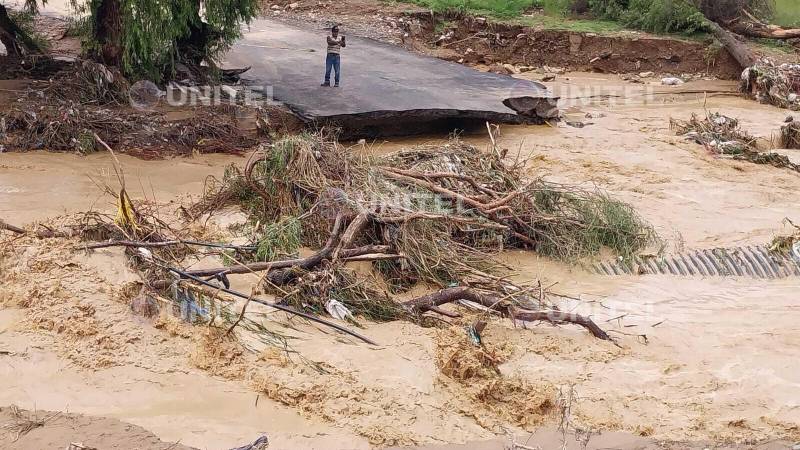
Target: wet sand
716, 366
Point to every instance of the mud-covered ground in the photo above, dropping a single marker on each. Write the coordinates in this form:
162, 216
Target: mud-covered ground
716, 366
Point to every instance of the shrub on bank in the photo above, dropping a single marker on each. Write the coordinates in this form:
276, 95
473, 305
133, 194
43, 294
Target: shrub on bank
657, 16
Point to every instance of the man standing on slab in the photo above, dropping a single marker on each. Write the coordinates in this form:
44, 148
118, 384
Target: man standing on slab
333, 61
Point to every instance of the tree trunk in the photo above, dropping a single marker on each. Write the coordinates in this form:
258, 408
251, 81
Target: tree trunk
743, 55
193, 48
108, 32
762, 30
16, 41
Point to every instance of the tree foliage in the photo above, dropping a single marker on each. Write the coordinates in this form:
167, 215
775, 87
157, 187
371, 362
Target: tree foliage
147, 38
658, 16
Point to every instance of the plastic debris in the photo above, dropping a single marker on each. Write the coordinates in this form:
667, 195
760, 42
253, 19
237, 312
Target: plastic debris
337, 310
671, 81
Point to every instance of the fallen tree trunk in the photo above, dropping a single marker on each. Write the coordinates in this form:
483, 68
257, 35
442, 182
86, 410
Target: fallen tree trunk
334, 243
11, 228
310, 261
449, 295
762, 30
743, 55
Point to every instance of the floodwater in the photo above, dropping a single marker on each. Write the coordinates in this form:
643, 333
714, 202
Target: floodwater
700, 359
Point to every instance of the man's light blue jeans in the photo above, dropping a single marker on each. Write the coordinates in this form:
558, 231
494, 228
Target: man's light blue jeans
332, 61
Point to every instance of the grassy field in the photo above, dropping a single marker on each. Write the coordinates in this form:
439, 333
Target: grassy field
787, 13
512, 10
495, 8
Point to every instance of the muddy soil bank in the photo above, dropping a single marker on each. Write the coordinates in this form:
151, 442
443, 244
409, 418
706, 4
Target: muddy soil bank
478, 41
42, 430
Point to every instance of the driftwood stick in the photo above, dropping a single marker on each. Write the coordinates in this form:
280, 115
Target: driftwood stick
11, 228
558, 317
438, 175
444, 312
124, 243
353, 230
262, 266
373, 257
392, 173
41, 234
436, 299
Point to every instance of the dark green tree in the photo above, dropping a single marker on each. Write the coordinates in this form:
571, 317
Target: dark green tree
147, 38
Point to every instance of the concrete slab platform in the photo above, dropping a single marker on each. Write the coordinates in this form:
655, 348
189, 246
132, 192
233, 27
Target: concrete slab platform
385, 90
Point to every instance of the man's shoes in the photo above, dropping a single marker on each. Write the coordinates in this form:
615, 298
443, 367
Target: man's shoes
336, 85
328, 84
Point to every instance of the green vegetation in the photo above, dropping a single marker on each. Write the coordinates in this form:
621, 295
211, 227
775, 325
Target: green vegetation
577, 25
279, 239
495, 8
603, 16
787, 13
657, 16
146, 38
24, 18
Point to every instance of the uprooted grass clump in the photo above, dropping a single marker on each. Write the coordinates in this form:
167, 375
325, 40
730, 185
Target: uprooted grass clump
433, 214
722, 135
434, 191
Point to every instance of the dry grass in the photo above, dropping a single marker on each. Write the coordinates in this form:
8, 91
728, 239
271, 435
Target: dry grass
23, 422
219, 353
494, 399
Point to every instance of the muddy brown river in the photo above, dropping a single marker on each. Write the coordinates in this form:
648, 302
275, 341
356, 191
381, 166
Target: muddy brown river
717, 365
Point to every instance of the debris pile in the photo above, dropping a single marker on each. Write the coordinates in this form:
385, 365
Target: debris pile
789, 242
86, 102
777, 85
75, 128
721, 135
790, 134
431, 214
435, 215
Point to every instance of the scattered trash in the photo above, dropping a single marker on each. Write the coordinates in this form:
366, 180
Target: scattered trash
778, 85
259, 444
474, 332
145, 253
80, 446
647, 74
671, 81
337, 310
577, 124
722, 136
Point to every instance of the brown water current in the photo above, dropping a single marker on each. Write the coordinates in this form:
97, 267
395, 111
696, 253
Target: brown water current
711, 360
